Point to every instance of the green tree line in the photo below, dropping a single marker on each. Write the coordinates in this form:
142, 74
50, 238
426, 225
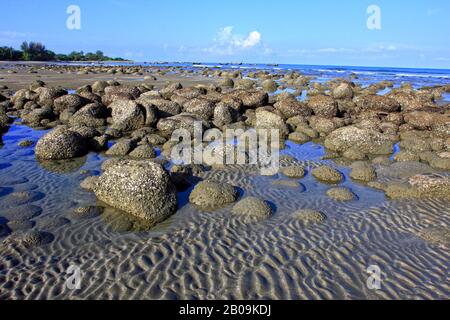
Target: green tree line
36, 51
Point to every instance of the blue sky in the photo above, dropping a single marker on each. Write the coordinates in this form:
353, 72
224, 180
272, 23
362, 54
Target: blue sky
325, 32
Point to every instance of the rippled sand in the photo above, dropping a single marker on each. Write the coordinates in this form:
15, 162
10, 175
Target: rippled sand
200, 255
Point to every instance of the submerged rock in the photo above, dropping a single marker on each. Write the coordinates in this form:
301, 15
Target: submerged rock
140, 188
327, 174
127, 115
340, 194
294, 172
362, 171
309, 216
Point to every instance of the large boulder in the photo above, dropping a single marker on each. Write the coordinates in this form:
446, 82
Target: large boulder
422, 120
323, 106
59, 144
100, 86
224, 115
366, 141
269, 120
166, 108
48, 95
34, 117
269, 85
91, 115
69, 101
113, 93
343, 91
251, 99
201, 107
409, 101
127, 115
181, 121
291, 107
377, 103
140, 188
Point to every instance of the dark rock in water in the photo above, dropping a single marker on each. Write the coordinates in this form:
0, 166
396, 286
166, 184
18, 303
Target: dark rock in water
63, 166
88, 212
60, 143
5, 191
25, 143
35, 117
50, 223
4, 230
21, 198
25, 212
210, 195
140, 188
29, 239
327, 174
20, 225
252, 208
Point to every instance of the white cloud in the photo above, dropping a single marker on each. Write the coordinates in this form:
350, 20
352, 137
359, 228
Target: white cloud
226, 42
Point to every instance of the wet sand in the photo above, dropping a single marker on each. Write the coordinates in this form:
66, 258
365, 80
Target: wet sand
201, 255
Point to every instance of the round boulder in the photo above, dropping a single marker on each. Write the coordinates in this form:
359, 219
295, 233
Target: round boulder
252, 207
59, 144
327, 174
340, 194
210, 195
140, 188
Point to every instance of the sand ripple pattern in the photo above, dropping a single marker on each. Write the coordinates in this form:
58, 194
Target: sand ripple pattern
203, 255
